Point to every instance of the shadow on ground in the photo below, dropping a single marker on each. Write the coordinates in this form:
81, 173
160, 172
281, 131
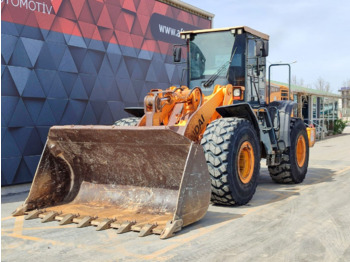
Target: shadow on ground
14, 197
335, 136
270, 192
211, 218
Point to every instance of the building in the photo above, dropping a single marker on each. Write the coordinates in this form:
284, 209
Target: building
81, 62
316, 107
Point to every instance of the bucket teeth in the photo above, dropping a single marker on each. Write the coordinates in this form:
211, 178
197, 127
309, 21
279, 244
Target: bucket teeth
147, 230
49, 217
125, 227
85, 221
67, 219
20, 211
33, 214
170, 228
105, 224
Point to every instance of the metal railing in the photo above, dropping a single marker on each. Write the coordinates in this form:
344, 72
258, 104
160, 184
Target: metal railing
321, 129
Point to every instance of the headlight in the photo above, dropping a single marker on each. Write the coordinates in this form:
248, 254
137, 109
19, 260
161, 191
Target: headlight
237, 92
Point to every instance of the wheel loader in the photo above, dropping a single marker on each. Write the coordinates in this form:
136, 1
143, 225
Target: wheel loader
188, 146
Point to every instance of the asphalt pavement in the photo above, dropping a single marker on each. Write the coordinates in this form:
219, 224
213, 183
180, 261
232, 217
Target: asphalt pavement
304, 222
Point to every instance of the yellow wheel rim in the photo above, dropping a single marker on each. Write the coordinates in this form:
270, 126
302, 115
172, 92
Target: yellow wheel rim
246, 162
301, 151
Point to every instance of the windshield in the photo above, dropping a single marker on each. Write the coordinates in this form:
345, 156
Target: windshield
210, 54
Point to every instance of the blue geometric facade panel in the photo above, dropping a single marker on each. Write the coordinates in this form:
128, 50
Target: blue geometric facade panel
170, 69
20, 77
43, 131
21, 135
19, 56
96, 45
8, 106
74, 112
34, 107
46, 116
32, 163
57, 89
46, 77
117, 109
32, 47
78, 91
83, 64
56, 51
8, 43
76, 42
106, 68
9, 167
98, 92
20, 116
45, 59
89, 117
87, 66
35, 146
122, 71
67, 63
98, 108
68, 80
23, 174
138, 87
78, 55
96, 58
88, 82
114, 60
33, 87
58, 106
107, 116
8, 86
9, 29
32, 32
9, 147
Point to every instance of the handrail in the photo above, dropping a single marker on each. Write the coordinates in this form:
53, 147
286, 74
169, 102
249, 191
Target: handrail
289, 85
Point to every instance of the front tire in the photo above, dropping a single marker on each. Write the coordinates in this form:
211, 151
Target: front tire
295, 159
232, 151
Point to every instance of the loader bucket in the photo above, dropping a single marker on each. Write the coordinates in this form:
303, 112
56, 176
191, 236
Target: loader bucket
145, 179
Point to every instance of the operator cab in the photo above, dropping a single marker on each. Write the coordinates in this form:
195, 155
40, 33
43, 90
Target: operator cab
235, 55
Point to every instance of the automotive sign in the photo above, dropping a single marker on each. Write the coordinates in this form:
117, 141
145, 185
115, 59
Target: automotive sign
168, 30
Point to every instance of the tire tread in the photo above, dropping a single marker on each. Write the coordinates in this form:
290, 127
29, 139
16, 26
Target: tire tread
282, 173
216, 143
129, 121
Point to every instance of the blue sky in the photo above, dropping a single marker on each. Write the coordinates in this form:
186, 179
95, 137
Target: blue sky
316, 34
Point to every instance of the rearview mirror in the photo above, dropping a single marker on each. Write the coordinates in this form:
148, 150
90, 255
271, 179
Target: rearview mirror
262, 48
266, 48
177, 54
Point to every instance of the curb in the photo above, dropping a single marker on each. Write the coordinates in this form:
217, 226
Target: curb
16, 189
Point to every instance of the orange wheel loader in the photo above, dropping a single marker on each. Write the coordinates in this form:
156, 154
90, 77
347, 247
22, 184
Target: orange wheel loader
158, 171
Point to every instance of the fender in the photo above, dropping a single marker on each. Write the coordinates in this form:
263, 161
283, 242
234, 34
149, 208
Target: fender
285, 108
241, 110
244, 110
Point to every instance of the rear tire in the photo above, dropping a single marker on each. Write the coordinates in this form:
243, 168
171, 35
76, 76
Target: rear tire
129, 121
232, 151
295, 159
